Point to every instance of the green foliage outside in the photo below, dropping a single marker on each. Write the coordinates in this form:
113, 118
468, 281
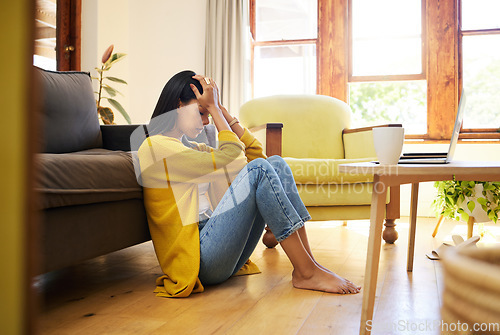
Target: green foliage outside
405, 102
390, 102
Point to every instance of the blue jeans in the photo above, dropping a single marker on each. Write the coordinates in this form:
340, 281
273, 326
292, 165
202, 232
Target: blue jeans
263, 192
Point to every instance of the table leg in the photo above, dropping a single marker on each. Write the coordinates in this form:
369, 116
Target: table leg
470, 226
413, 226
377, 213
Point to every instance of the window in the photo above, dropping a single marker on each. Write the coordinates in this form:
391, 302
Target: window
284, 46
387, 71
480, 46
386, 39
391, 60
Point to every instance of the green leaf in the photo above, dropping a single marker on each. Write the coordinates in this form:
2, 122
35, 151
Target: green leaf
464, 216
111, 91
116, 57
488, 187
491, 215
120, 108
116, 80
448, 213
482, 201
106, 114
461, 198
471, 205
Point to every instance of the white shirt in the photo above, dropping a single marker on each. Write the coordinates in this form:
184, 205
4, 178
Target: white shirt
204, 203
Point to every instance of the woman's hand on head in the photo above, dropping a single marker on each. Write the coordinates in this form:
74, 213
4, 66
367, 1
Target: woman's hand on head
210, 97
218, 92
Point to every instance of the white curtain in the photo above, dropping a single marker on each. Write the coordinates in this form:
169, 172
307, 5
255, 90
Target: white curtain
226, 50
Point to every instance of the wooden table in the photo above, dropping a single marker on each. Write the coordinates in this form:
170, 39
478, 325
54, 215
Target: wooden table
395, 175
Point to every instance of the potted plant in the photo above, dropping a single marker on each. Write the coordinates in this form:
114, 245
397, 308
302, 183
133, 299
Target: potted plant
462, 199
105, 113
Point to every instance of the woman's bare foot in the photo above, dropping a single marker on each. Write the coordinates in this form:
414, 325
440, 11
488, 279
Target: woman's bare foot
330, 271
325, 281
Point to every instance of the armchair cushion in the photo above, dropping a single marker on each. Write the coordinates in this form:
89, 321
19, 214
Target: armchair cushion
336, 195
324, 171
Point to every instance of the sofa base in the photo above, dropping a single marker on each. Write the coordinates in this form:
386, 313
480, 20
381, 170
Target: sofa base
73, 234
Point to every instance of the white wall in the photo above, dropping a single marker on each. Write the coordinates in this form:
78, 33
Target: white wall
160, 38
464, 151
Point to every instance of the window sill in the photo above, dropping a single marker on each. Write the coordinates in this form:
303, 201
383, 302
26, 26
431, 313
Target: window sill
464, 137
460, 141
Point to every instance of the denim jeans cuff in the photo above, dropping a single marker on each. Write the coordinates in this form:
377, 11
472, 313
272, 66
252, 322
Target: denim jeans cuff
306, 218
292, 230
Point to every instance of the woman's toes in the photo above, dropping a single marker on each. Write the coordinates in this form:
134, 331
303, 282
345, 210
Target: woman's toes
352, 288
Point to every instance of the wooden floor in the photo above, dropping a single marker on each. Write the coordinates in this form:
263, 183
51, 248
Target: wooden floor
113, 294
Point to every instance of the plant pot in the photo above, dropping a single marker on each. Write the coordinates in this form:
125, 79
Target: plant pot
478, 213
471, 292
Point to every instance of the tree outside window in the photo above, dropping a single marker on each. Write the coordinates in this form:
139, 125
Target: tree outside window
387, 71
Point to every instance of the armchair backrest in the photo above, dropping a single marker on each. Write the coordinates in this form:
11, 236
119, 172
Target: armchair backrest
312, 124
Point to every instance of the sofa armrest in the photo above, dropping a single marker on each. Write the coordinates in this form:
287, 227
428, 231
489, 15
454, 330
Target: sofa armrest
271, 138
358, 142
117, 137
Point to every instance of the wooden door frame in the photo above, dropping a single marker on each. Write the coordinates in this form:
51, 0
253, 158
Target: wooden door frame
68, 35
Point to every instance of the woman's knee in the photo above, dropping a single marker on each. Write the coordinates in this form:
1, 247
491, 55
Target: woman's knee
279, 164
214, 277
261, 163
276, 160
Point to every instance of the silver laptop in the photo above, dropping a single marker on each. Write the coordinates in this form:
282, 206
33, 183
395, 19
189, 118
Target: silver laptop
438, 157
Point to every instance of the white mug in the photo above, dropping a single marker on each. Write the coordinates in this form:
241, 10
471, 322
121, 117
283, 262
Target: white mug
388, 142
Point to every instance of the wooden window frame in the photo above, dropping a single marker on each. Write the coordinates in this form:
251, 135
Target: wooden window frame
473, 133
416, 76
255, 43
442, 63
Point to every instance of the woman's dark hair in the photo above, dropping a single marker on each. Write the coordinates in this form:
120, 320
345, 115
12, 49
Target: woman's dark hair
176, 90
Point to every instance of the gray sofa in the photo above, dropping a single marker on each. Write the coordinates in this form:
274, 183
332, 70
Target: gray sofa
90, 201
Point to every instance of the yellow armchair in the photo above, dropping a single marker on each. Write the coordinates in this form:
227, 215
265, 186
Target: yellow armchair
311, 132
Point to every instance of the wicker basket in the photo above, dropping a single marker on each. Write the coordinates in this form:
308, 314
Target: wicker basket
471, 291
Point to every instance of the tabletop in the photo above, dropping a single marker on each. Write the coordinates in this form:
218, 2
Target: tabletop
467, 168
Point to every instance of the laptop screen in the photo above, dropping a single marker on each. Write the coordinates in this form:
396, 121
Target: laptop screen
456, 128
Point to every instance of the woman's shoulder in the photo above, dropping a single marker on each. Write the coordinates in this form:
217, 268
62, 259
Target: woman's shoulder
165, 144
161, 140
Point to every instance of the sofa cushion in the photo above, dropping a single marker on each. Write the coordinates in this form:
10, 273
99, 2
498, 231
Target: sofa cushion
69, 113
86, 177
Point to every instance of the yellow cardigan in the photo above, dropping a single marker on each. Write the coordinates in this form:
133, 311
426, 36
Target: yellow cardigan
170, 174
